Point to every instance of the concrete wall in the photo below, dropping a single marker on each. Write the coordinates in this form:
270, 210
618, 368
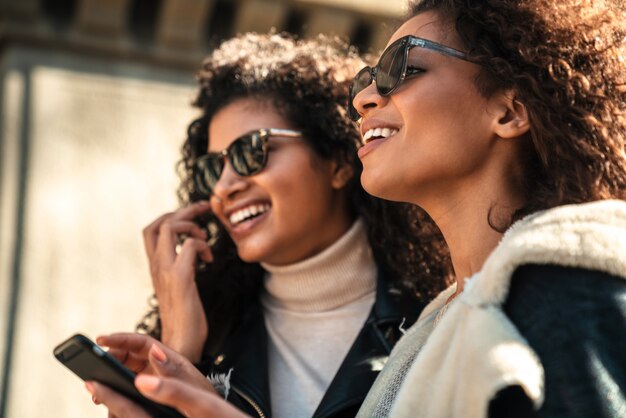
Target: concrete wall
95, 165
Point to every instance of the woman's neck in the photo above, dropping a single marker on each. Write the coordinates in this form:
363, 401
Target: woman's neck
472, 222
470, 239
342, 273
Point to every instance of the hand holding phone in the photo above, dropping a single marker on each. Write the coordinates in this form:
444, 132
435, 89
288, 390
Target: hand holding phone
90, 362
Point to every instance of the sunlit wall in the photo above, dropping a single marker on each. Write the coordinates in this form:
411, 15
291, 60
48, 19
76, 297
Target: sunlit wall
97, 165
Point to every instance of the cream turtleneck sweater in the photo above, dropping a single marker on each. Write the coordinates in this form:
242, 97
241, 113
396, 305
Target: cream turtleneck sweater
314, 309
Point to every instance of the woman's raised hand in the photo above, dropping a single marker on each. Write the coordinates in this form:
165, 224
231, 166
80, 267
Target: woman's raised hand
173, 272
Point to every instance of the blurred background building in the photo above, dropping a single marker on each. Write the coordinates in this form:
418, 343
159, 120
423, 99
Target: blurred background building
95, 99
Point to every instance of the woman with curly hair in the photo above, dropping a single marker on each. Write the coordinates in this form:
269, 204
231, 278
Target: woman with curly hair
509, 131
294, 308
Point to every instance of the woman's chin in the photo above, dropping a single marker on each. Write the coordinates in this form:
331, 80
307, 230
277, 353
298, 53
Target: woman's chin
250, 256
372, 185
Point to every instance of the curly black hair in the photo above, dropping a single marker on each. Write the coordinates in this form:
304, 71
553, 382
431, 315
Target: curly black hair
307, 82
566, 61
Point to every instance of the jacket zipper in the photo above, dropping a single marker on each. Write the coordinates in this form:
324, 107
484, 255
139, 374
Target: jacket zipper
250, 401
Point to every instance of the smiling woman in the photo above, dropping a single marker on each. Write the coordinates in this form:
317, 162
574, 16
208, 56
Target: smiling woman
301, 190
509, 129
301, 298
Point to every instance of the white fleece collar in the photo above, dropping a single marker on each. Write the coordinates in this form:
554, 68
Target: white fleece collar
590, 236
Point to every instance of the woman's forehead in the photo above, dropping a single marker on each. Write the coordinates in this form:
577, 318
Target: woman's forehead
428, 25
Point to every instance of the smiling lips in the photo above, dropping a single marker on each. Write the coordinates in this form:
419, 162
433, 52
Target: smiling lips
248, 212
377, 133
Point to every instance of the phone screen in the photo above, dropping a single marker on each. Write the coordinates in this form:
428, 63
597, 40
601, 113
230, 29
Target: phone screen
90, 362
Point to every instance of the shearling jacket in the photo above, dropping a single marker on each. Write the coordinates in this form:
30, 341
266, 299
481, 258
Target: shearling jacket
539, 331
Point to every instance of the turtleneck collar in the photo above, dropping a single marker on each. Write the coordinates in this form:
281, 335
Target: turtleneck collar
342, 273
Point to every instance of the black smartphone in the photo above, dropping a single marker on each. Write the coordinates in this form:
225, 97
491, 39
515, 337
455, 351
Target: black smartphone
90, 362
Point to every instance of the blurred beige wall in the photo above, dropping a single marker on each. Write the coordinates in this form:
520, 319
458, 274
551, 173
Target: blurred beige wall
100, 161
94, 103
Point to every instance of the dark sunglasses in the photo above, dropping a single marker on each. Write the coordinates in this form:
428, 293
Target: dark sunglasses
247, 156
392, 68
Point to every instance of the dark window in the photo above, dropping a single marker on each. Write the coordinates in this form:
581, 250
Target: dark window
143, 19
361, 37
296, 22
60, 13
220, 24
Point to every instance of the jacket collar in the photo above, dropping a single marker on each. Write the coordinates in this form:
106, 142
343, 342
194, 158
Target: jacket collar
370, 350
246, 352
587, 235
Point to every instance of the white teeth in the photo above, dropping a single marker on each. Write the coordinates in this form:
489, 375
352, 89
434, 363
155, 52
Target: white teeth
378, 133
245, 213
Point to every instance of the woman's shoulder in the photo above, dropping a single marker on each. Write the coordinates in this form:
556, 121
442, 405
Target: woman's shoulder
567, 301
553, 287
575, 320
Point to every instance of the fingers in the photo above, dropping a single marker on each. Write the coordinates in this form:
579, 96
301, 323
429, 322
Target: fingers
193, 210
118, 405
136, 351
192, 248
151, 232
176, 365
163, 365
138, 344
169, 237
176, 227
129, 350
161, 239
192, 401
181, 223
134, 362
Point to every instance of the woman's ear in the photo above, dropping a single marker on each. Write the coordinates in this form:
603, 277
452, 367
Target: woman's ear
342, 172
511, 115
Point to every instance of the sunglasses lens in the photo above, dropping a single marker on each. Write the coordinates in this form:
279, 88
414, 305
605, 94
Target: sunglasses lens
390, 69
207, 172
247, 155
359, 83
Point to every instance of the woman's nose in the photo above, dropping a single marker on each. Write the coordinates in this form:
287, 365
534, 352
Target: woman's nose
368, 99
229, 183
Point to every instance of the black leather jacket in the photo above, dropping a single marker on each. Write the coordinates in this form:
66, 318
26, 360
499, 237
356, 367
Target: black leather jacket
246, 352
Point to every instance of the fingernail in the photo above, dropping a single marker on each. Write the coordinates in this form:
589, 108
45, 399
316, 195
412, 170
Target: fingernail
158, 354
90, 387
147, 383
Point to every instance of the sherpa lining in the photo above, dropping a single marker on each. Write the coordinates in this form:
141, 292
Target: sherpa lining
221, 382
475, 342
